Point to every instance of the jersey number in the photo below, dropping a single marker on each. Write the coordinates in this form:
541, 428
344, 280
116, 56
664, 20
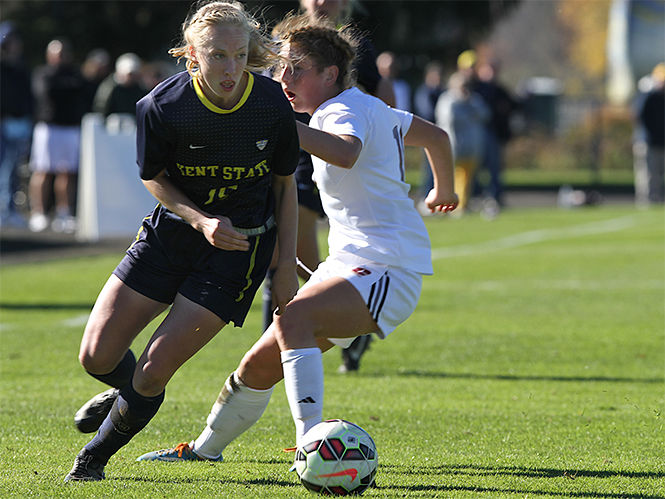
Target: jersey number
400, 150
219, 193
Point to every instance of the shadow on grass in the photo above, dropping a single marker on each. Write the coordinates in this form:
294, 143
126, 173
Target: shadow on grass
46, 306
510, 377
516, 471
259, 482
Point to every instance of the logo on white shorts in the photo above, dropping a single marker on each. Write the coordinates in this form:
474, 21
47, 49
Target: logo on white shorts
361, 271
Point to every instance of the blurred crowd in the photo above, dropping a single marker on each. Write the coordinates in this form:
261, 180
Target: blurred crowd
41, 111
40, 119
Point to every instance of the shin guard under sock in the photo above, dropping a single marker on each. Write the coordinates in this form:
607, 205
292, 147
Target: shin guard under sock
237, 408
303, 382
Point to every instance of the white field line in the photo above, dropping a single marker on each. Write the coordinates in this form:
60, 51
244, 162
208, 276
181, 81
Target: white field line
535, 236
76, 321
79, 320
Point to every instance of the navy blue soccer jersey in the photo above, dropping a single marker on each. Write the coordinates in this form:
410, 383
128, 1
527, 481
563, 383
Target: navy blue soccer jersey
221, 159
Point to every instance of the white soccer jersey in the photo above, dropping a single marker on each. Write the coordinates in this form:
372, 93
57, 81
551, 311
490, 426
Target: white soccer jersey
368, 206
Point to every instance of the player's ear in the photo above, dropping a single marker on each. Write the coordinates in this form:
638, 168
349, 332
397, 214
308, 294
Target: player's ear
192, 53
330, 75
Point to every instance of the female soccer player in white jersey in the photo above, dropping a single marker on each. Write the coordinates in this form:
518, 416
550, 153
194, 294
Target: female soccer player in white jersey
379, 247
217, 146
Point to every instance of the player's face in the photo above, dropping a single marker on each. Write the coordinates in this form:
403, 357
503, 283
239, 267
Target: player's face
222, 59
304, 85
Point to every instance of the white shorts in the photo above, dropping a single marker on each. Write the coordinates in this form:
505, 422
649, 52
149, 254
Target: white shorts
391, 293
55, 148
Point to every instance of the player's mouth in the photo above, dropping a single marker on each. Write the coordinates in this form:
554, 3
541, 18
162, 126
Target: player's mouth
289, 95
227, 85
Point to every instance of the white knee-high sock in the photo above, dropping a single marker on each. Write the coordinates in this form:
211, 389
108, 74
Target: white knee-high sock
303, 382
237, 408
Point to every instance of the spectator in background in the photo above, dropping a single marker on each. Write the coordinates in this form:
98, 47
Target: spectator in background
501, 105
463, 114
388, 68
649, 173
16, 108
59, 91
154, 73
95, 68
120, 91
424, 102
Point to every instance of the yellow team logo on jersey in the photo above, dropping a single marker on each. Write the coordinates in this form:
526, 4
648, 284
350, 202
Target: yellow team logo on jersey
261, 144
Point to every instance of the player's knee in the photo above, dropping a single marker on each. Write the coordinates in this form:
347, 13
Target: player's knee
294, 326
95, 361
151, 380
260, 369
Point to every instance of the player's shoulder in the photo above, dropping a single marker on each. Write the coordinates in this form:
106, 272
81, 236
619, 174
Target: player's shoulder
168, 91
271, 90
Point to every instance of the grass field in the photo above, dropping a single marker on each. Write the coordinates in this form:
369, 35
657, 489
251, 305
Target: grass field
534, 366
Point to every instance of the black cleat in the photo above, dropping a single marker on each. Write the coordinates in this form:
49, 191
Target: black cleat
90, 416
351, 355
87, 468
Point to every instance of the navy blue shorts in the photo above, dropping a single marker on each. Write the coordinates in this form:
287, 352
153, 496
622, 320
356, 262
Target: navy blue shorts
171, 257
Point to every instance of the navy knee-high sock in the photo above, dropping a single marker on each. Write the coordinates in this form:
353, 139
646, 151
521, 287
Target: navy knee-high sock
131, 412
122, 374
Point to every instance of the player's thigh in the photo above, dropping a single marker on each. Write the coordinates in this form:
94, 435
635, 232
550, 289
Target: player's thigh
118, 316
332, 308
186, 329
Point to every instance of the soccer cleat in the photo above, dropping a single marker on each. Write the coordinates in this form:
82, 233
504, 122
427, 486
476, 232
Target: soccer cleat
181, 452
351, 355
90, 416
87, 468
291, 449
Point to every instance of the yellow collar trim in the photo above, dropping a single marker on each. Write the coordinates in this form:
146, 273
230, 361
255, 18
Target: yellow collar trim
216, 109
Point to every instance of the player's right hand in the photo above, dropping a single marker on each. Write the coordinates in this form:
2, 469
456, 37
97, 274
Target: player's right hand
220, 233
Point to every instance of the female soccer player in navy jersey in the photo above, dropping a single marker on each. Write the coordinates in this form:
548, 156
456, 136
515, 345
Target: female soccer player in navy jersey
217, 146
379, 247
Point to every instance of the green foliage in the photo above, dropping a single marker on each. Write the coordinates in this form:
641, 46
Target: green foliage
600, 143
533, 367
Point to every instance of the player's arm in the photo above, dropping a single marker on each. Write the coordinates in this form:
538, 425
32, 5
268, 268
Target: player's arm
439, 153
217, 229
285, 279
338, 150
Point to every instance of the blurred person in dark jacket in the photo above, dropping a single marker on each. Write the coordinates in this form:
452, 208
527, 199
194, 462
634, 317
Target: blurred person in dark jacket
59, 92
16, 108
651, 117
498, 132
120, 91
95, 68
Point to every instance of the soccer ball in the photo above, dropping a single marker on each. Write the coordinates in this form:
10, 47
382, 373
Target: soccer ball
336, 457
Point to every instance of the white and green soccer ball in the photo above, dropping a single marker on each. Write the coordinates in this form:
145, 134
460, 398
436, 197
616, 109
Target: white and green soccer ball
336, 457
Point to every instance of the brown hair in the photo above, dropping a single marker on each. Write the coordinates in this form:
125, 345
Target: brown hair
262, 53
320, 41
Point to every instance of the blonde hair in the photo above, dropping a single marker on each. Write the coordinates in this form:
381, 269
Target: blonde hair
319, 40
262, 53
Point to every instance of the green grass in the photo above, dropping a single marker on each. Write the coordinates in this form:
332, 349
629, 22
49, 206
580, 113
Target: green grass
533, 367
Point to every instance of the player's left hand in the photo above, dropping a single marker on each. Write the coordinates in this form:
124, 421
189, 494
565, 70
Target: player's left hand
440, 202
285, 285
